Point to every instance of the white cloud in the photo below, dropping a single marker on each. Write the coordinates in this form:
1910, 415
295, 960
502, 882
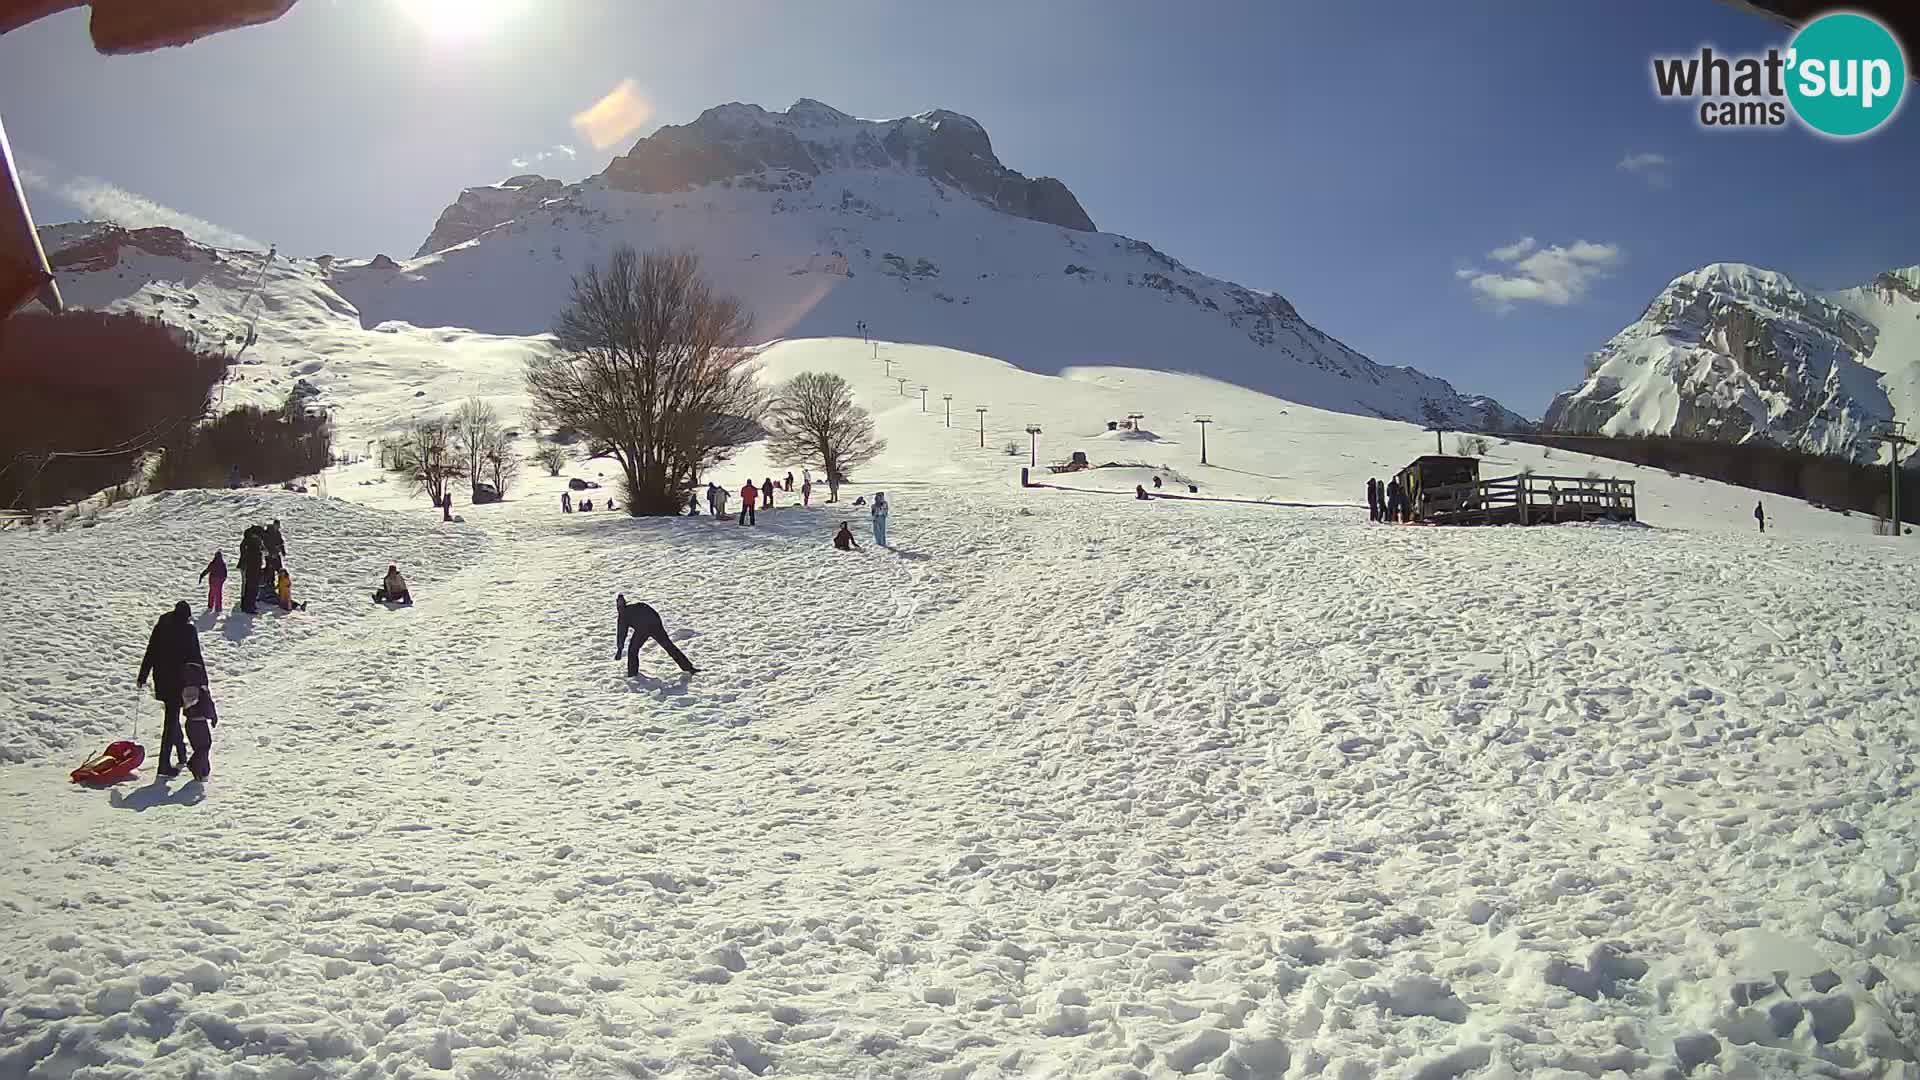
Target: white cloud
1652, 167
558, 150
1514, 250
102, 201
1557, 275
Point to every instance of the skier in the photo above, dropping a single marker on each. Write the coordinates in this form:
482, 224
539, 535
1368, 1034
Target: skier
566, 502
748, 495
789, 486
1373, 499
1760, 515
215, 575
196, 707
393, 588
646, 626
766, 494
879, 512
252, 554
844, 539
173, 644
806, 492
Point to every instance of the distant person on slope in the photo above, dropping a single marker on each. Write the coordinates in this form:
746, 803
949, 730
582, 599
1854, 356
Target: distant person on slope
1140, 492
196, 708
215, 575
566, 502
720, 500
1156, 483
693, 504
393, 588
1760, 515
283, 591
806, 492
172, 645
881, 508
252, 560
766, 494
844, 538
748, 496
646, 626
276, 547
1373, 499
789, 482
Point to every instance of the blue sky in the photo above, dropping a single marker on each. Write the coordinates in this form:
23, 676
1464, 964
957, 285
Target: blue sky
1362, 158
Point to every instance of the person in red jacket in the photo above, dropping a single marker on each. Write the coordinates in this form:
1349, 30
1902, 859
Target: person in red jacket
748, 496
215, 575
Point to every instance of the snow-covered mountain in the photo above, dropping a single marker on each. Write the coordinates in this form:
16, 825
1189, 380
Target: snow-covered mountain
914, 226
1735, 352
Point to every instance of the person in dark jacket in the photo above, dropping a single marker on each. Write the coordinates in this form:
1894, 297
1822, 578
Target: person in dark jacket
252, 560
393, 588
566, 503
789, 481
276, 546
1760, 515
844, 539
196, 708
215, 575
1394, 500
1373, 499
1140, 492
173, 645
646, 626
766, 494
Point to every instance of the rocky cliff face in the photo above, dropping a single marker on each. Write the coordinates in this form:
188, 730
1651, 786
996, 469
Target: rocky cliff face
481, 208
749, 145
1736, 353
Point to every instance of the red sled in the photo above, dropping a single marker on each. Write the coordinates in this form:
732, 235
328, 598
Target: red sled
119, 761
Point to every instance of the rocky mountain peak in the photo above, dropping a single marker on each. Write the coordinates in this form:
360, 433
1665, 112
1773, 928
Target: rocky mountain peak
747, 144
481, 208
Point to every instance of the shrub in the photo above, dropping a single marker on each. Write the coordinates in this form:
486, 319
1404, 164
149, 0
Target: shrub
268, 446
551, 457
88, 393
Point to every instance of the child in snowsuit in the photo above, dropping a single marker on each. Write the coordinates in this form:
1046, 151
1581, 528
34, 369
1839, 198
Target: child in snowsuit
283, 589
196, 702
646, 626
806, 492
215, 575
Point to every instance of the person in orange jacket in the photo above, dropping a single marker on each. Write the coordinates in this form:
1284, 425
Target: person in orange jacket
748, 496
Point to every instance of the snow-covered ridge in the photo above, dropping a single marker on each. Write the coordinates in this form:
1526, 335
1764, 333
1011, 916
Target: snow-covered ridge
1738, 352
736, 141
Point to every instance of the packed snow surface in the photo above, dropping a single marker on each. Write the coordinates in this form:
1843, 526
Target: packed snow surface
1063, 784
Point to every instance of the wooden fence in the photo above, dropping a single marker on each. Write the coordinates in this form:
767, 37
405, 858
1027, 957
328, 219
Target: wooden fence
1528, 500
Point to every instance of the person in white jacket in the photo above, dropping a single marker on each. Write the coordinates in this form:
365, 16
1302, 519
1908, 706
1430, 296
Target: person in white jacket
879, 511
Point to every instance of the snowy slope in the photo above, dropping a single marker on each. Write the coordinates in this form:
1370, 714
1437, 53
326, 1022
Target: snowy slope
1064, 784
1735, 352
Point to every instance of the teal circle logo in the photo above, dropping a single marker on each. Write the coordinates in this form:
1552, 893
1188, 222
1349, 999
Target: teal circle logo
1845, 74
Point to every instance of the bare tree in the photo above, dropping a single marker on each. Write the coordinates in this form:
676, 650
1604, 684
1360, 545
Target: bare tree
648, 364
476, 432
552, 457
501, 464
426, 454
813, 420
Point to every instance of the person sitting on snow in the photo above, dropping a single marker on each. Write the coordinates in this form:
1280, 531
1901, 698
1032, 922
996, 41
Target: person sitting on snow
1140, 492
393, 589
844, 539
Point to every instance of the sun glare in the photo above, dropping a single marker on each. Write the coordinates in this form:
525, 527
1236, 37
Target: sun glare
456, 19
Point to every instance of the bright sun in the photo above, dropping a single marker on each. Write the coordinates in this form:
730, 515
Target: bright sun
457, 19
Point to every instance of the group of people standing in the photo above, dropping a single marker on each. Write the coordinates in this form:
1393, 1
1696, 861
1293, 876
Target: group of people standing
1387, 501
263, 571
